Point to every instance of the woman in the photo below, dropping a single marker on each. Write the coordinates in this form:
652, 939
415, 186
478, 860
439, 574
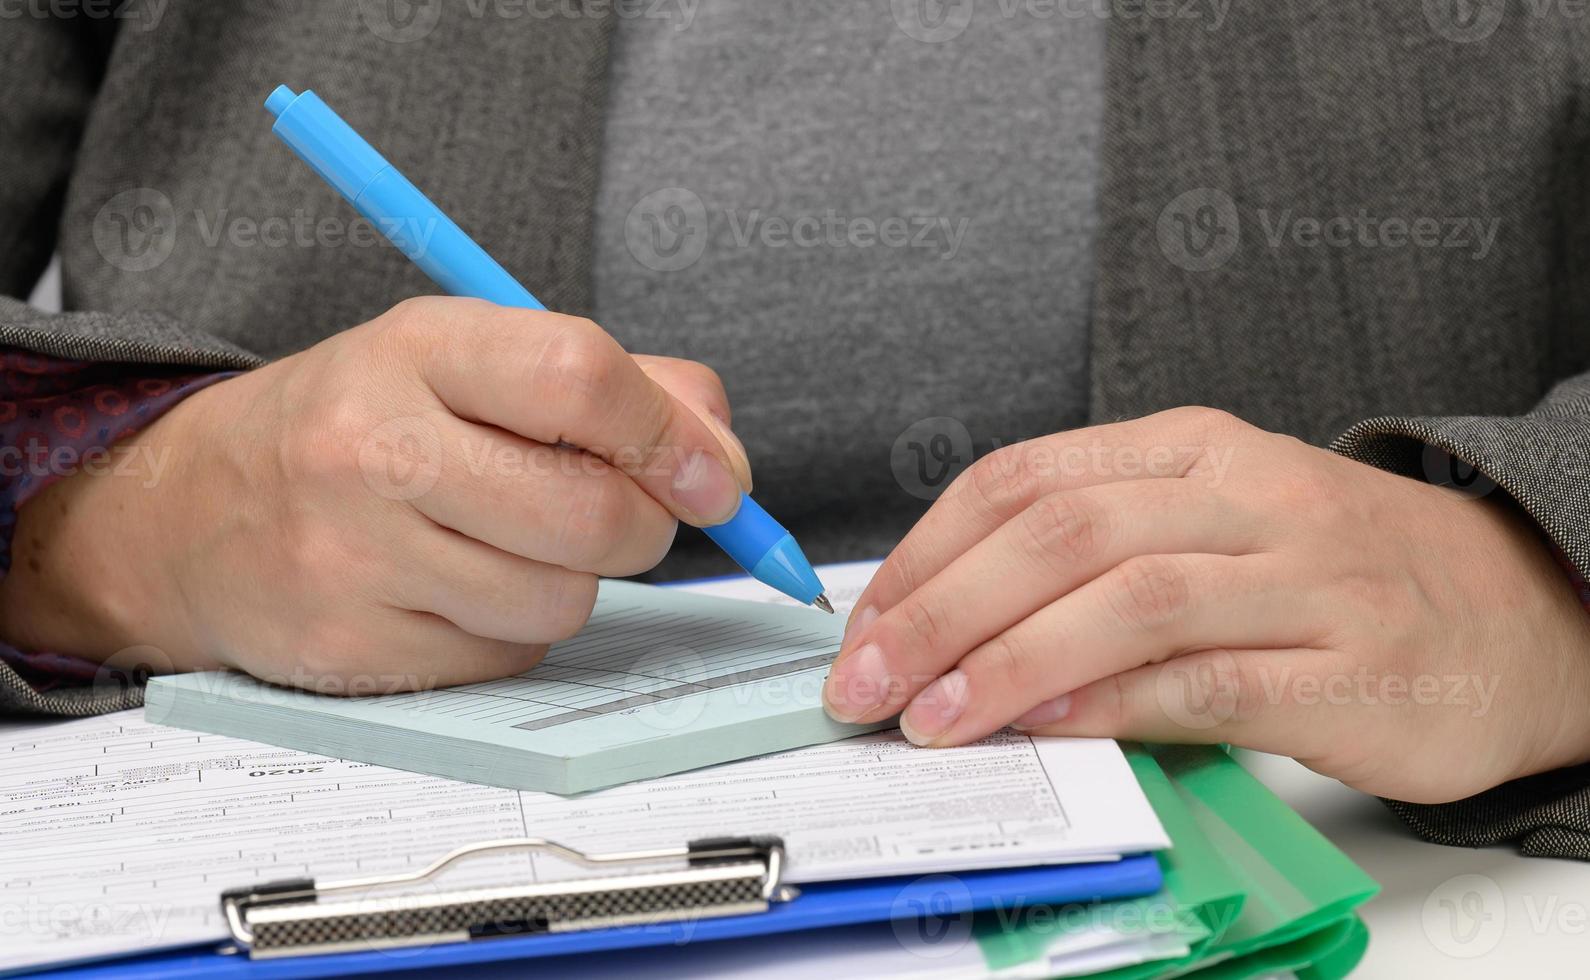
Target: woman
909, 235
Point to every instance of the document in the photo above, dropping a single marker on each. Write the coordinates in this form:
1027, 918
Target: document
659, 681
121, 834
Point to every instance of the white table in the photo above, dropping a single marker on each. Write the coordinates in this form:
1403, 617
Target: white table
1446, 912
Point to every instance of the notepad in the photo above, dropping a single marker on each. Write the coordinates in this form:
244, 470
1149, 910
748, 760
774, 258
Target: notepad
659, 681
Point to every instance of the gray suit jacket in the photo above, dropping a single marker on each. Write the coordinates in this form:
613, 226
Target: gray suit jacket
1357, 223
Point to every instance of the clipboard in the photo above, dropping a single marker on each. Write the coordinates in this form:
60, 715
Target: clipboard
816, 906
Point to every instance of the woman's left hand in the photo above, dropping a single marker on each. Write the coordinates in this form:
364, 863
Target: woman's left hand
1187, 577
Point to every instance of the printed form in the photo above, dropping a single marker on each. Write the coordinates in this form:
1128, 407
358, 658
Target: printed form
120, 835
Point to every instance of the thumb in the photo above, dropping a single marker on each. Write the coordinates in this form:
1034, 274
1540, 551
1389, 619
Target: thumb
699, 389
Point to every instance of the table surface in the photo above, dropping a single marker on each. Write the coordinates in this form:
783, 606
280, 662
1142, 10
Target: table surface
1446, 912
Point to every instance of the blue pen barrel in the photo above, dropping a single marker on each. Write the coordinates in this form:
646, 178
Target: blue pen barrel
761, 546
398, 209
436, 244
432, 241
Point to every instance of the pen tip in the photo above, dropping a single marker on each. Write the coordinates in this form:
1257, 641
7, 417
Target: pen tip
821, 602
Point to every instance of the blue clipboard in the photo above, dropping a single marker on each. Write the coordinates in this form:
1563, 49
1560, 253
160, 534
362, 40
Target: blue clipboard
820, 905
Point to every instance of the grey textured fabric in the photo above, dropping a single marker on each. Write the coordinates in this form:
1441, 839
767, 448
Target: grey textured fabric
741, 121
1246, 150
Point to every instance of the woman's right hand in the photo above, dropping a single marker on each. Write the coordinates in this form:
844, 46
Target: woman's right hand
424, 500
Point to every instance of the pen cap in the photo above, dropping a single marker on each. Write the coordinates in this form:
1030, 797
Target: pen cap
338, 154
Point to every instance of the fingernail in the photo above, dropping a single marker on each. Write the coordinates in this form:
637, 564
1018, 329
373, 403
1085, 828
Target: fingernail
732, 443
704, 488
858, 624
857, 684
1047, 713
935, 709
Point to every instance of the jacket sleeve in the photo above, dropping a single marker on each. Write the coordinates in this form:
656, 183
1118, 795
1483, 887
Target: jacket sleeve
1541, 460
50, 73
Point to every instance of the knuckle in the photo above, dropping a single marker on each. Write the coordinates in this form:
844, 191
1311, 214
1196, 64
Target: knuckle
1009, 659
578, 366
1004, 481
313, 550
412, 323
326, 445
1296, 493
1202, 421
329, 657
1063, 529
922, 621
1148, 591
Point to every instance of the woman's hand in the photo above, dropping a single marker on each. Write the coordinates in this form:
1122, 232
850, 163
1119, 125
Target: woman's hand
426, 499
1187, 577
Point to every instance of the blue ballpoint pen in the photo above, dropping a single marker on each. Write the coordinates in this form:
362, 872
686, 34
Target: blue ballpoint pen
420, 230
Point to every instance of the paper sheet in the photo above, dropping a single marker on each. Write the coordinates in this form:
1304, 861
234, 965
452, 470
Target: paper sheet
613, 665
120, 834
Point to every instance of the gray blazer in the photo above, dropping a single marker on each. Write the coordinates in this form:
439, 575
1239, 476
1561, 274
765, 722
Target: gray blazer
1241, 145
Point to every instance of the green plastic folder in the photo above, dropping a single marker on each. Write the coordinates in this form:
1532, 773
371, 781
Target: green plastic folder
1250, 888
